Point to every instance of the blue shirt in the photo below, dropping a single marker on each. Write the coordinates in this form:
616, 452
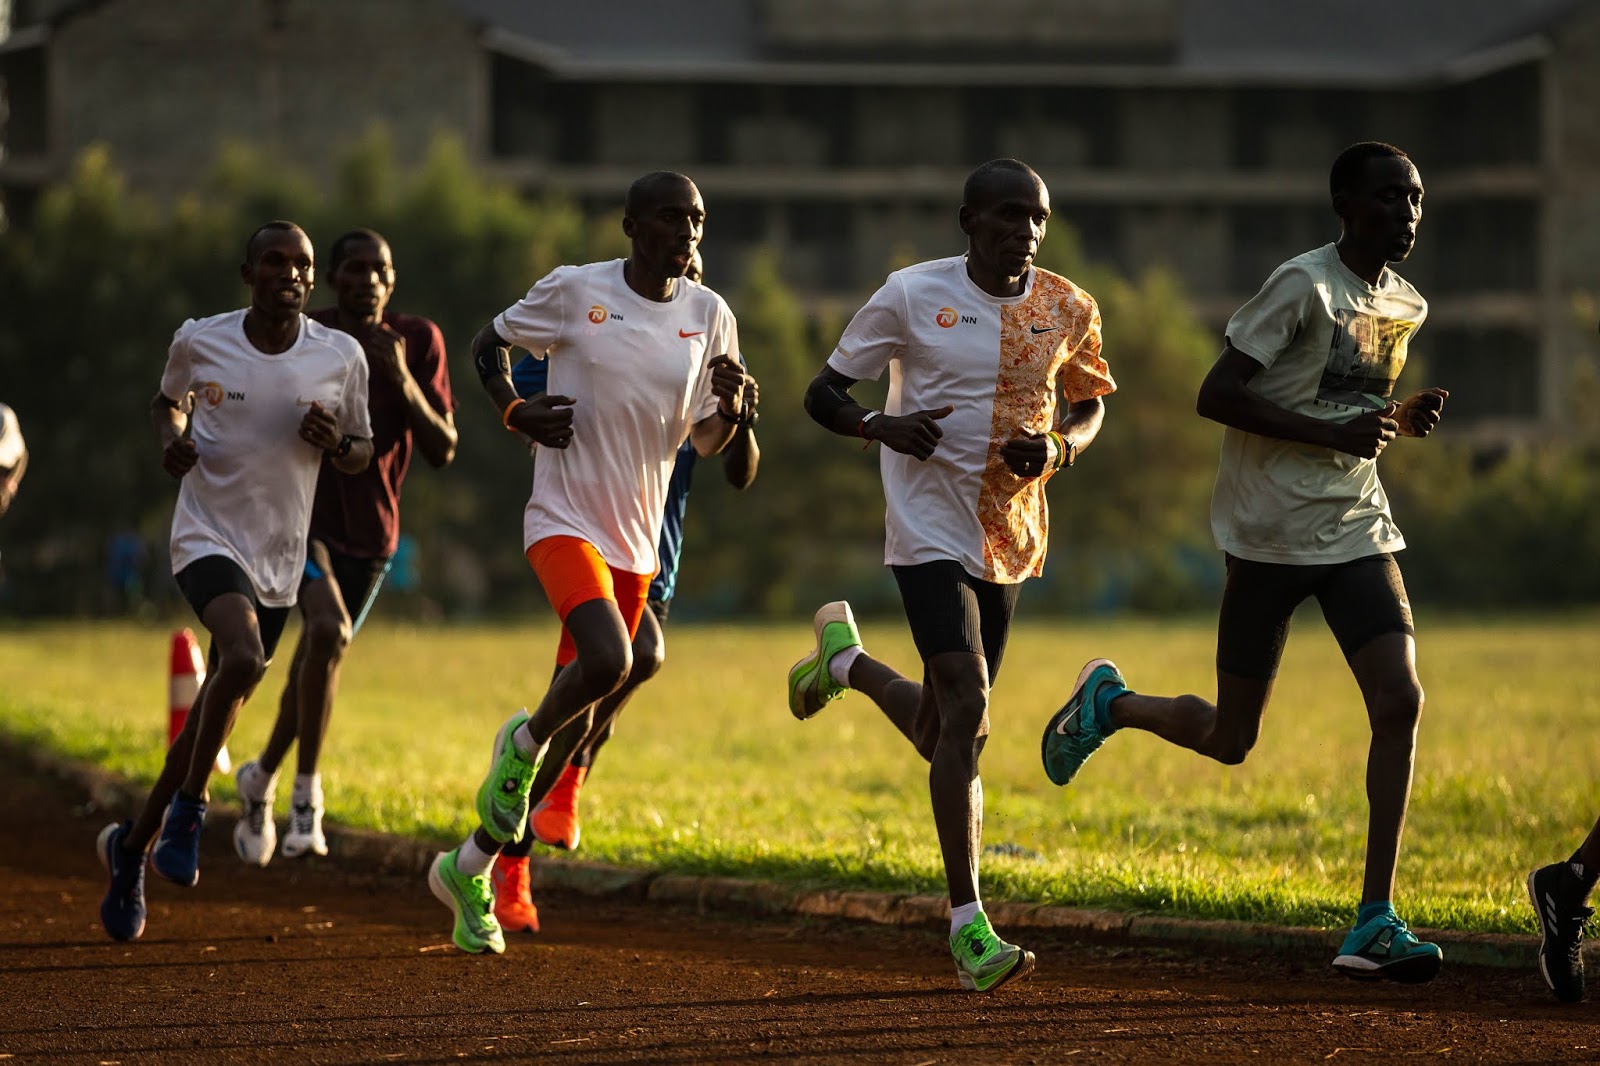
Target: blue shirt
528, 377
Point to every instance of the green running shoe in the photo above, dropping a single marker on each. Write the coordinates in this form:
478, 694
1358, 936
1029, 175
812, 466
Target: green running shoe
1077, 730
477, 930
984, 962
811, 687
503, 796
1384, 947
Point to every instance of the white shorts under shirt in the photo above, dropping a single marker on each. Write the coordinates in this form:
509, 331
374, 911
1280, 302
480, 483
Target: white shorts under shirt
1001, 363
639, 374
249, 496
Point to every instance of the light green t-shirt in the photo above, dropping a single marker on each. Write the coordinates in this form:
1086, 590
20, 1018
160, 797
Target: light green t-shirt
1330, 346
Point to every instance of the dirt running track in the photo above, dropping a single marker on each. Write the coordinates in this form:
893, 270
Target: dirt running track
299, 963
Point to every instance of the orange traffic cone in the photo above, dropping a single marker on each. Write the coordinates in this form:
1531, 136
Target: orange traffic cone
187, 672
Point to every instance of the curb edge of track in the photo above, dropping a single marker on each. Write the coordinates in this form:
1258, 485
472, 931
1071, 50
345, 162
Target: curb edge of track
368, 851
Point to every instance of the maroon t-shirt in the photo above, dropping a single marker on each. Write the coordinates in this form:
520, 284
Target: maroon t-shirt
359, 514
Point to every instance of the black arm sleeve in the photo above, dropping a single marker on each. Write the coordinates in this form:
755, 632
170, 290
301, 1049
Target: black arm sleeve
491, 355
826, 396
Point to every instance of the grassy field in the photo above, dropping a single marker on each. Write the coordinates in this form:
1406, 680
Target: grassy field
709, 773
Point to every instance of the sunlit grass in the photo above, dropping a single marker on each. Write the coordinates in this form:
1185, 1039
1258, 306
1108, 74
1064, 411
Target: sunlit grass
709, 773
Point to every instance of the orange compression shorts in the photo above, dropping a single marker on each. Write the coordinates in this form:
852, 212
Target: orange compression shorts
572, 572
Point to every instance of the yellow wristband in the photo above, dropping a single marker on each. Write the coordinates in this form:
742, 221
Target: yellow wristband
505, 416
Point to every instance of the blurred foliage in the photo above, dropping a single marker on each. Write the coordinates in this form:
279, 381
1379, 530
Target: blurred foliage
98, 278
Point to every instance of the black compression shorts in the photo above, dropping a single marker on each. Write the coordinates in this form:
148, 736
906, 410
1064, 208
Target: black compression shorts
950, 610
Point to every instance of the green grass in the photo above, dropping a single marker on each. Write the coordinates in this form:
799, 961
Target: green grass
708, 773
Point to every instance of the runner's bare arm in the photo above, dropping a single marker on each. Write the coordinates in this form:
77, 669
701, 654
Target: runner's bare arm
830, 405
434, 431
1225, 398
349, 454
711, 434
743, 455
545, 418
178, 454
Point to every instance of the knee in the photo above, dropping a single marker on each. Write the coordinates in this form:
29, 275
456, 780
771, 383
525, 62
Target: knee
647, 662
328, 638
1397, 709
964, 719
605, 668
241, 666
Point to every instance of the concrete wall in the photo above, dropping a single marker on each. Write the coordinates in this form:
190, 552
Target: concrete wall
166, 82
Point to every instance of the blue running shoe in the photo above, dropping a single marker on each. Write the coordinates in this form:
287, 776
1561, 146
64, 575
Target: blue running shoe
1077, 730
176, 855
1384, 947
122, 910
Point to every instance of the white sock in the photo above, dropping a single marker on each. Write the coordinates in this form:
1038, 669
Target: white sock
960, 916
307, 790
522, 740
839, 665
473, 860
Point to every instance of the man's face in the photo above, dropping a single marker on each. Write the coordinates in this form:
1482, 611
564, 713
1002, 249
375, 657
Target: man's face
364, 279
280, 273
666, 233
1382, 212
697, 268
1005, 231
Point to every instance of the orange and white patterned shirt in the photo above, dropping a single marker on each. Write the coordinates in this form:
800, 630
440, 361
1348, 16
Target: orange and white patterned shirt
1004, 365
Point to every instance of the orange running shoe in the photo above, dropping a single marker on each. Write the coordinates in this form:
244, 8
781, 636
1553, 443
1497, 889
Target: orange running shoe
555, 819
513, 905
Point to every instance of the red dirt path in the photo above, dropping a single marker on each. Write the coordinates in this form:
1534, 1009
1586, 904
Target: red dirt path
306, 963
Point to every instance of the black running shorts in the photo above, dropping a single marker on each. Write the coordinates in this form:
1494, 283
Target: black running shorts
950, 610
358, 579
1361, 599
216, 575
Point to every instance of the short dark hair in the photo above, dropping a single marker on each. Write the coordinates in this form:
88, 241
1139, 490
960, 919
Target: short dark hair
1352, 163
977, 183
266, 227
342, 243
645, 188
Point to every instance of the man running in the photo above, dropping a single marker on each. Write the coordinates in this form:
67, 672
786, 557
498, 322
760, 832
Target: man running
355, 527
640, 358
250, 403
1303, 386
554, 821
982, 349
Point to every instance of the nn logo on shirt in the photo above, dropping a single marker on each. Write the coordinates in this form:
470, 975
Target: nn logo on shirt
598, 314
949, 316
214, 393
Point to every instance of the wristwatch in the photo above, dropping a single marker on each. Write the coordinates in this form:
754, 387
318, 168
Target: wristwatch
345, 444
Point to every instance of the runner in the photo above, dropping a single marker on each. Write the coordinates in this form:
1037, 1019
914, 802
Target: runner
355, 527
1560, 893
554, 821
250, 403
1303, 386
640, 359
981, 348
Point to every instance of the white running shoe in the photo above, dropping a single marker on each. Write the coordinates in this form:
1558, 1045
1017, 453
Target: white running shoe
305, 831
255, 836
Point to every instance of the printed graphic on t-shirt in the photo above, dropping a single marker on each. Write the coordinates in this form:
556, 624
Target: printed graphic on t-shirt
1364, 360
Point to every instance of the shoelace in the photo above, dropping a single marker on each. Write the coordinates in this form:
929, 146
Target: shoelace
482, 895
256, 814
302, 819
1575, 948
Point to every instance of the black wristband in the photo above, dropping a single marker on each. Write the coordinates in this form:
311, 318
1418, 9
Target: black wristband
346, 442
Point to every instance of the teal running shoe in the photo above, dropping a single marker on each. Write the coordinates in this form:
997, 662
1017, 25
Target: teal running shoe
472, 901
503, 797
984, 962
811, 687
1384, 947
1077, 730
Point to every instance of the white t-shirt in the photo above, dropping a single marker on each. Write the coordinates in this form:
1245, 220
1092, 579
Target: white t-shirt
1002, 363
249, 496
640, 375
1330, 346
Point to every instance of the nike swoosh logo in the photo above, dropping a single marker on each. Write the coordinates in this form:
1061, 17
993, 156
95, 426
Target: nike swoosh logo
696, 333
1037, 330
1062, 728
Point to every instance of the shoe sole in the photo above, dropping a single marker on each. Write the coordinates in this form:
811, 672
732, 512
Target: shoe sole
501, 736
443, 894
240, 833
1024, 966
821, 620
561, 843
292, 850
1419, 969
1054, 724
